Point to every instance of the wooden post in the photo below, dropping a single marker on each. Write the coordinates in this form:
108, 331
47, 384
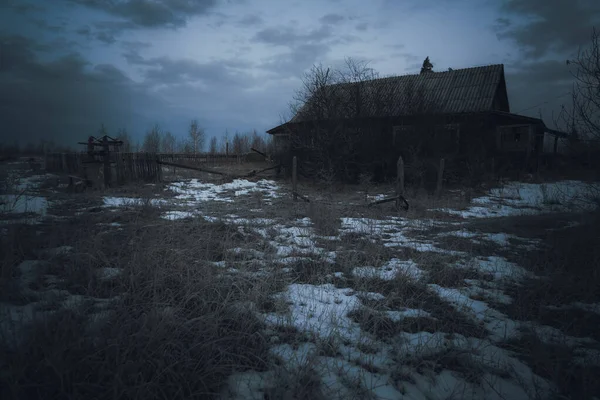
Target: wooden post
438, 189
295, 178
530, 135
399, 180
106, 156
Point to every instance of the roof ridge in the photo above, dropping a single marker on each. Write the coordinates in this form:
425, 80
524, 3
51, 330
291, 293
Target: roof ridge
391, 77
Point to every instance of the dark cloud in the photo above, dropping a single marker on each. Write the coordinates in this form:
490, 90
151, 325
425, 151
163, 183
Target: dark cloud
304, 48
134, 46
151, 14
85, 31
363, 26
538, 86
297, 60
106, 37
167, 71
332, 19
44, 25
21, 6
553, 26
65, 99
397, 46
106, 32
286, 36
251, 20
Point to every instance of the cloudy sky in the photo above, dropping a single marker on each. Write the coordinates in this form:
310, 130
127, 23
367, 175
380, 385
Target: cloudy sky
66, 66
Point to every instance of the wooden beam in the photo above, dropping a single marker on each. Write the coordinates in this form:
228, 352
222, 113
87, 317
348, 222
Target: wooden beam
298, 195
252, 173
192, 168
259, 152
398, 199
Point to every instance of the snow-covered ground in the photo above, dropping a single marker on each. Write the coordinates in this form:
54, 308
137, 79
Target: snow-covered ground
516, 198
363, 364
21, 196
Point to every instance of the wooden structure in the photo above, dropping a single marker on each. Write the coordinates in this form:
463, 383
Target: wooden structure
461, 115
98, 165
102, 167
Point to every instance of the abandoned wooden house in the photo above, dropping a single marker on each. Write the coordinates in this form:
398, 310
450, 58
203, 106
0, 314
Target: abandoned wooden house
462, 115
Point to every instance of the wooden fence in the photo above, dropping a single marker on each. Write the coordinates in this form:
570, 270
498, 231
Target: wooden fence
133, 167
67, 163
130, 167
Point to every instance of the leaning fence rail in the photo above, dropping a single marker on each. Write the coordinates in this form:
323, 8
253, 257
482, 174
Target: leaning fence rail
131, 167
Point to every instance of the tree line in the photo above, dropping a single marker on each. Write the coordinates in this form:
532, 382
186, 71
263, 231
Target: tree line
157, 140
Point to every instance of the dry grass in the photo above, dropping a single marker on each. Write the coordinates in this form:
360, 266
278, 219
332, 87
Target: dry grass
177, 327
325, 218
556, 363
569, 273
173, 324
403, 292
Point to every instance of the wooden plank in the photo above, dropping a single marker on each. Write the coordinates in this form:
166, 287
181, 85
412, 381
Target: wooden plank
298, 195
193, 168
262, 170
400, 177
259, 152
397, 199
295, 178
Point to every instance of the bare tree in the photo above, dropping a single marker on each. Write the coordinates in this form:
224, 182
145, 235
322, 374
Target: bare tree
240, 143
152, 140
585, 115
212, 147
324, 106
123, 136
102, 131
335, 110
258, 142
197, 136
168, 143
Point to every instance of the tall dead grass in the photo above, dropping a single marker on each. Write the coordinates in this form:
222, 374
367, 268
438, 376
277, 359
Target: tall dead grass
175, 326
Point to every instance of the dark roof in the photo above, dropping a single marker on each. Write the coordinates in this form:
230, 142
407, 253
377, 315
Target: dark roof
449, 92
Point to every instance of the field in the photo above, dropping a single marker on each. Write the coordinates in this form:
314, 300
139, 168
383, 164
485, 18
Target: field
199, 288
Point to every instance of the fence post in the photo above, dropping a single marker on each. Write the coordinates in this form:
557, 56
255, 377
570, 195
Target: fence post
295, 178
158, 169
399, 180
106, 156
438, 189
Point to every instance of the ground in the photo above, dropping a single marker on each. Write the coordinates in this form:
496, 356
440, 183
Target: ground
198, 288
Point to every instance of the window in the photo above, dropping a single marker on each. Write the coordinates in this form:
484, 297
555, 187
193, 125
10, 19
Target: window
514, 137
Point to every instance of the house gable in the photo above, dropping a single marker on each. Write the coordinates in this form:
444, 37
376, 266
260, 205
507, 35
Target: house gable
501, 97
